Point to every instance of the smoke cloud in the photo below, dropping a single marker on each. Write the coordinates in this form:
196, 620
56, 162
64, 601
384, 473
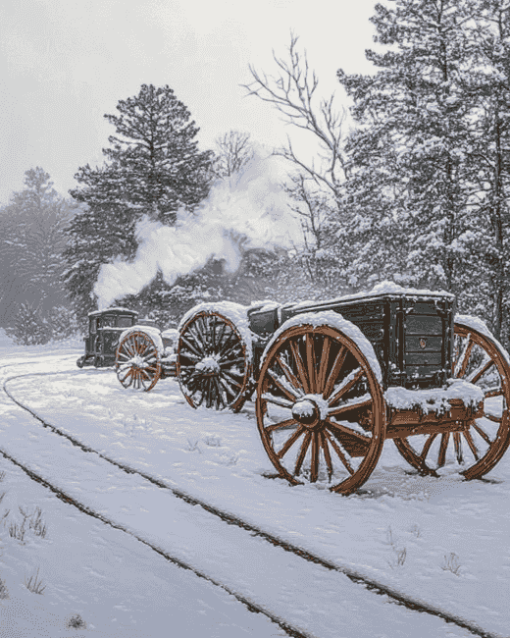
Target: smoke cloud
241, 213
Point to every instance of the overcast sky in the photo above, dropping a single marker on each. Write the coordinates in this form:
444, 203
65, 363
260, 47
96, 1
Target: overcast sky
64, 63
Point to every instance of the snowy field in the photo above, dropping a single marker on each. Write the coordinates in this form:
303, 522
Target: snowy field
441, 542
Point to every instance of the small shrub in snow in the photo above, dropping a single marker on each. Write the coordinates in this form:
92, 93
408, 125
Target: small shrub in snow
35, 522
2, 495
17, 531
193, 446
3, 590
76, 622
32, 522
415, 531
451, 564
34, 584
229, 460
212, 441
399, 554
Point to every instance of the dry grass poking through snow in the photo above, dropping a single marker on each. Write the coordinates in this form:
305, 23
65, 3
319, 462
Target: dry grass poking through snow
31, 522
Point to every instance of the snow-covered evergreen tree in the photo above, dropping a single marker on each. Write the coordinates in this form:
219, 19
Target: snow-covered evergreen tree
152, 167
32, 240
407, 188
489, 38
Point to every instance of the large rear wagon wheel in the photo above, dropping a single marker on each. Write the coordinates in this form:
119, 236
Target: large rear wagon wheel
213, 362
138, 362
320, 409
475, 451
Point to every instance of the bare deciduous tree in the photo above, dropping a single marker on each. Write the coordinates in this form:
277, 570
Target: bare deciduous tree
234, 152
292, 91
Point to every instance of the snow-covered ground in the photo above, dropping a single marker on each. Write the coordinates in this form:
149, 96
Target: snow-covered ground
443, 542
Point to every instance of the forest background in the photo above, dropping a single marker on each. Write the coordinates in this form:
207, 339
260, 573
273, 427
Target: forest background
410, 184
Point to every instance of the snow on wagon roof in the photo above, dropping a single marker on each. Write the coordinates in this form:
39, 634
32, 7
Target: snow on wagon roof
385, 288
116, 309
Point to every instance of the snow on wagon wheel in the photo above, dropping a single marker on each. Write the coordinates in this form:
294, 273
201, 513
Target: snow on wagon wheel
138, 362
476, 450
213, 363
320, 408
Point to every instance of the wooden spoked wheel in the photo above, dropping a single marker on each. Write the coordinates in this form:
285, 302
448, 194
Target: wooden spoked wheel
213, 364
476, 450
137, 362
320, 409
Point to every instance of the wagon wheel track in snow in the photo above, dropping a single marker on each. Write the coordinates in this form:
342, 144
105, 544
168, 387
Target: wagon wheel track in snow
357, 578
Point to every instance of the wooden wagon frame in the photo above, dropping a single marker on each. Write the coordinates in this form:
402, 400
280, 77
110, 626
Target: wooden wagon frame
334, 380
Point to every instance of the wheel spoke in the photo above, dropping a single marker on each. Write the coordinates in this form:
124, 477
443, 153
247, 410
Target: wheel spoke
190, 346
493, 392
310, 360
327, 455
283, 403
357, 404
346, 385
442, 450
230, 362
289, 392
227, 387
300, 367
302, 453
219, 337
231, 378
339, 427
458, 447
471, 443
335, 371
427, 445
482, 433
221, 402
339, 452
314, 466
477, 374
130, 346
291, 378
323, 370
462, 363
290, 442
281, 425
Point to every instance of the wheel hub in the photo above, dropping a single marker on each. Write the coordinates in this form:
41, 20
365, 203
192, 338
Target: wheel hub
208, 367
307, 413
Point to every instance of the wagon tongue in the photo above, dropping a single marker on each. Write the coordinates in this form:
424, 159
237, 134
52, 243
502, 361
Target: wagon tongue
306, 412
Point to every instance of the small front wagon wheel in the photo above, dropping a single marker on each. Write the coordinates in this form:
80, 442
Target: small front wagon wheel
138, 362
320, 408
477, 449
213, 362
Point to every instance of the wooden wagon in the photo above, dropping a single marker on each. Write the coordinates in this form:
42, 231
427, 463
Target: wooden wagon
335, 379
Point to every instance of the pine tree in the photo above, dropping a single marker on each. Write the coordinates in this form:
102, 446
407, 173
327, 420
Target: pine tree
490, 169
407, 193
32, 240
152, 167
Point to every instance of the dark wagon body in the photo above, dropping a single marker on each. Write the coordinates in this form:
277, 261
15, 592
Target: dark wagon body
412, 335
101, 343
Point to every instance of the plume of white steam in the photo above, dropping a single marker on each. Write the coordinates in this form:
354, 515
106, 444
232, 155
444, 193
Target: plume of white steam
242, 212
